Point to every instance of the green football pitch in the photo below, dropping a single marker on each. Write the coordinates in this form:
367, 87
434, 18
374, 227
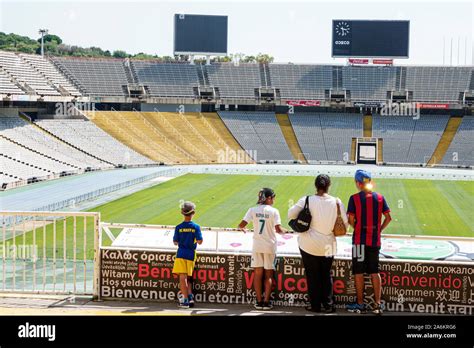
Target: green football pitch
419, 207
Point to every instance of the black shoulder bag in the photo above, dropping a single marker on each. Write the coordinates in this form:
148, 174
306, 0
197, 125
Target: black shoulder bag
302, 222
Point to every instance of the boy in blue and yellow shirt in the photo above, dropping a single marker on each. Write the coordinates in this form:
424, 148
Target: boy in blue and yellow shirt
186, 236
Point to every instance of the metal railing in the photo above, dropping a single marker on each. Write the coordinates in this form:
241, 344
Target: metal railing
107, 227
59, 252
50, 253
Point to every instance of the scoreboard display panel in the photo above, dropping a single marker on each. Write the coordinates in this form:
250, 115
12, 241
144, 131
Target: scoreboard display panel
200, 34
370, 38
366, 152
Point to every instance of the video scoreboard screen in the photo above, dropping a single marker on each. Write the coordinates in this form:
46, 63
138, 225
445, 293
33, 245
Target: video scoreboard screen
370, 38
200, 34
366, 152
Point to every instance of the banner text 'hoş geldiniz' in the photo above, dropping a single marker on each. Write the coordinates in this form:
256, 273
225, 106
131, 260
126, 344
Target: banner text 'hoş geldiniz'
408, 286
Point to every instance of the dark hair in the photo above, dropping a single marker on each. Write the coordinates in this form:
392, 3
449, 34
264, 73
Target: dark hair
322, 182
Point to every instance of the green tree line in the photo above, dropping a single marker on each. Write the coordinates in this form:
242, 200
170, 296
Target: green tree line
54, 46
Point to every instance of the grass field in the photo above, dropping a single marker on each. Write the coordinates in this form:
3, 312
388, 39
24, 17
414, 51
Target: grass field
419, 207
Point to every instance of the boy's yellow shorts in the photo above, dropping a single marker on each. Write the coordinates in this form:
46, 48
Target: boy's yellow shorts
183, 266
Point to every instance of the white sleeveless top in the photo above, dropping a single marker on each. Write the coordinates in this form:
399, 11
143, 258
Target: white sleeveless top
319, 240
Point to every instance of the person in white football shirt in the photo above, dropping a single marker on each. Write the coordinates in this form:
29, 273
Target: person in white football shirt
266, 223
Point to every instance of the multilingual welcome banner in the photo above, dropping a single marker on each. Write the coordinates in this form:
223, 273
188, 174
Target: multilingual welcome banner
408, 286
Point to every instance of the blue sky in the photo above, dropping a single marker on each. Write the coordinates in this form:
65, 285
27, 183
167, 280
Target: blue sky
291, 31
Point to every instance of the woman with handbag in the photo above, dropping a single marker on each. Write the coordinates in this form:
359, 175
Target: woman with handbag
318, 244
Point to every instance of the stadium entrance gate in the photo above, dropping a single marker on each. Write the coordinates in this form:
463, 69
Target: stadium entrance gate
49, 252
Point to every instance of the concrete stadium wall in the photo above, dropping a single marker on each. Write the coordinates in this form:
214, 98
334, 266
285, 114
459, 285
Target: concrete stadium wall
170, 107
332, 170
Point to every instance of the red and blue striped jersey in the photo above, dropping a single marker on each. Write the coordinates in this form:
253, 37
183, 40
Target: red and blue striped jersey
367, 208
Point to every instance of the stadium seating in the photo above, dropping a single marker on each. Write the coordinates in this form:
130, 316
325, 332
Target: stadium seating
34, 139
23, 171
166, 79
369, 83
409, 140
258, 133
437, 83
21, 154
126, 138
427, 133
173, 127
211, 126
301, 81
326, 136
307, 127
50, 72
290, 137
168, 137
99, 77
31, 79
134, 131
461, 149
95, 77
182, 129
338, 130
234, 81
7, 86
91, 139
7, 181
396, 132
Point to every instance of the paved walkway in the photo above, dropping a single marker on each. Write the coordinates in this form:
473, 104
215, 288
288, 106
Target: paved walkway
62, 305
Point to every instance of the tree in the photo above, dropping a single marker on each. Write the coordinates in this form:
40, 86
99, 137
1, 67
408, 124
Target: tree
223, 59
168, 59
52, 38
54, 46
264, 58
13, 42
142, 55
25, 48
120, 54
249, 59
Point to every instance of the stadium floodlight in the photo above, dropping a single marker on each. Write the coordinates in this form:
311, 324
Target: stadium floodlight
43, 32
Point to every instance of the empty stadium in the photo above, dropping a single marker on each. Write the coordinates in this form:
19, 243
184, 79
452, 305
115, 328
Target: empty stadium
136, 120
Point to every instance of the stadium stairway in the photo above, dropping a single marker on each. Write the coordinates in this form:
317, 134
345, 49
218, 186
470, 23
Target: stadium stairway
446, 139
171, 138
367, 126
379, 150
353, 149
290, 137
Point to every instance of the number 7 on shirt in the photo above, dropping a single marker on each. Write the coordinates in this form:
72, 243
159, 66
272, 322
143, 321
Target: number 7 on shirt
262, 226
